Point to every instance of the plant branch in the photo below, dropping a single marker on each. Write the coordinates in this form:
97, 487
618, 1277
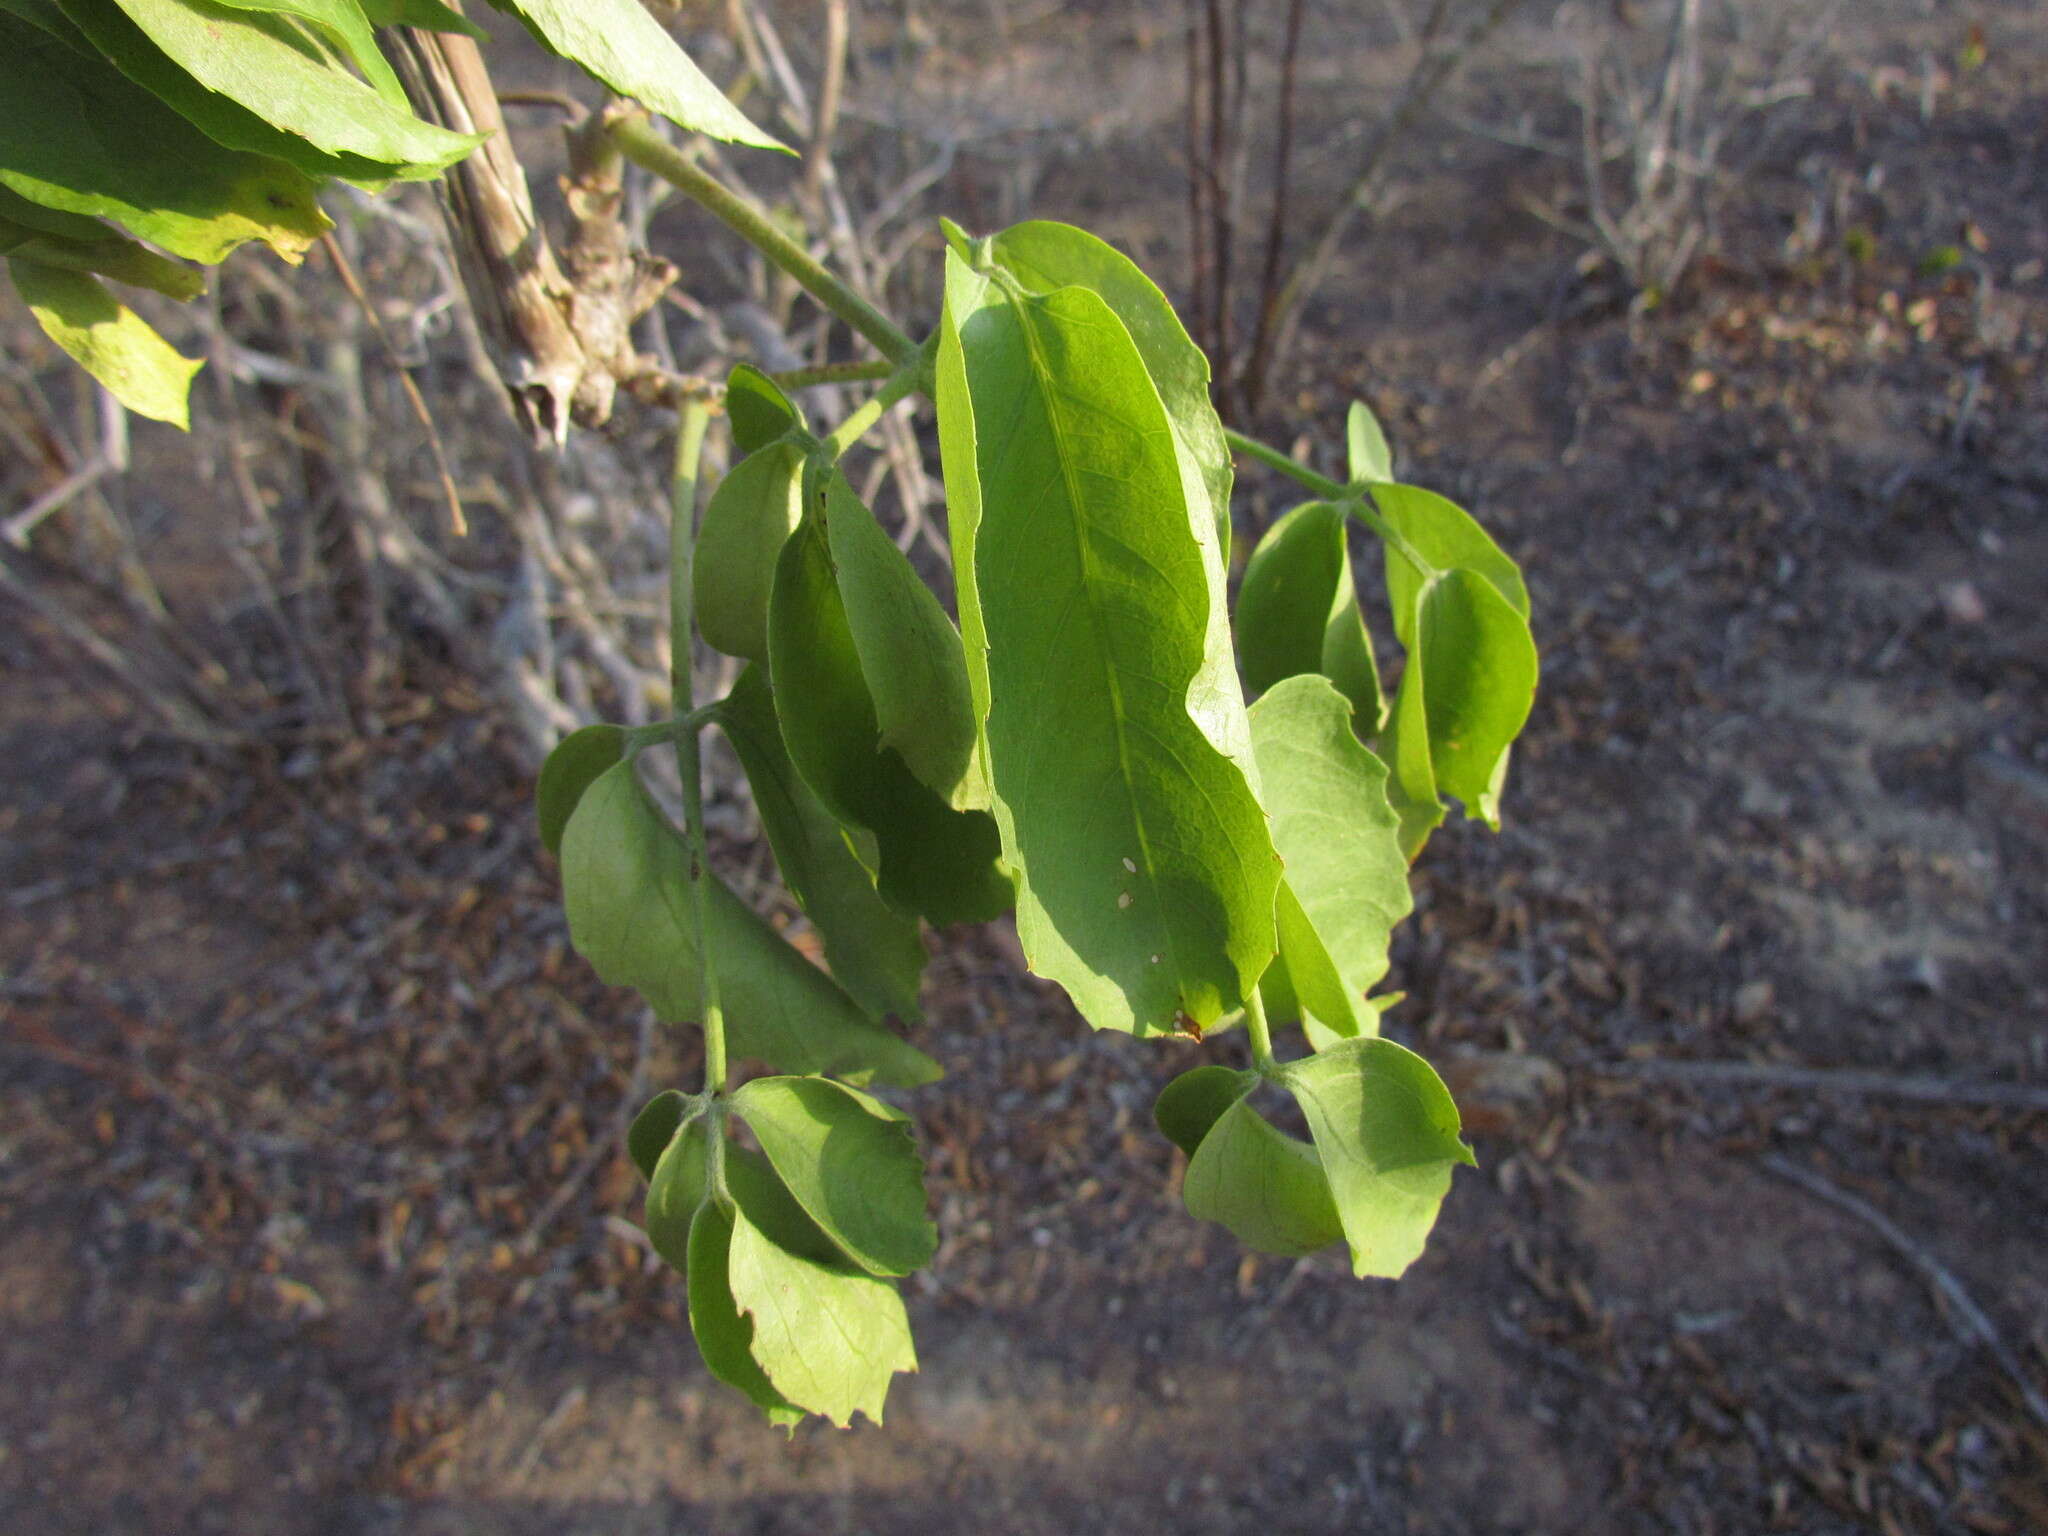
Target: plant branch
638, 142
1260, 1033
834, 373
902, 383
1273, 458
695, 416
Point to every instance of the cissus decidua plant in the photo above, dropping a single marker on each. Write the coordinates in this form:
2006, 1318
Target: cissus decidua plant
1076, 749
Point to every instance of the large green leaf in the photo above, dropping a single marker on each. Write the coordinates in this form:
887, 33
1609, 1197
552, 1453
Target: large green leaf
578, 761
1387, 1133
1146, 876
829, 1339
251, 59
745, 524
76, 135
909, 653
346, 22
107, 339
625, 878
874, 950
101, 29
1045, 256
632, 53
724, 1336
106, 253
852, 1164
1297, 611
1346, 881
932, 860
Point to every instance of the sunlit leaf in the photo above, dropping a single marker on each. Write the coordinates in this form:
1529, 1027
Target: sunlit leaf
852, 1164
1297, 611
105, 253
247, 57
631, 52
1447, 537
724, 1336
107, 339
875, 951
1369, 458
77, 136
346, 23
828, 1339
1387, 1133
1346, 881
428, 14
933, 860
745, 524
626, 884
1146, 876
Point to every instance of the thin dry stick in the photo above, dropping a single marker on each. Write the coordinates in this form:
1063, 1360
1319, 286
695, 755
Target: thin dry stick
1283, 156
1884, 1085
1969, 1321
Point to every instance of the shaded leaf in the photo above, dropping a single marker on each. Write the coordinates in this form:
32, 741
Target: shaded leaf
674, 1191
653, 1129
107, 339
251, 60
932, 860
428, 14
627, 888
767, 1202
105, 253
1297, 611
1146, 877
576, 763
1387, 1133
874, 950
1264, 1187
724, 1336
1346, 881
1192, 1103
852, 1164
631, 52
77, 136
828, 1339
745, 524
758, 409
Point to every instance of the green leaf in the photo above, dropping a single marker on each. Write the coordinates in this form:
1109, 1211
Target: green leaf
77, 136
1146, 877
430, 15
1297, 611
767, 1202
1264, 1187
108, 340
745, 524
1387, 1133
874, 950
933, 860
99, 28
1346, 881
632, 53
577, 762
106, 253
852, 1164
827, 1338
1370, 458
1192, 1103
653, 1129
345, 22
758, 409
1447, 537
1045, 256
674, 1191
626, 885
252, 60
909, 653
1466, 692
724, 1336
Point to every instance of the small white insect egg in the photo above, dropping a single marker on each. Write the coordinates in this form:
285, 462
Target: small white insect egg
1131, 865
1123, 901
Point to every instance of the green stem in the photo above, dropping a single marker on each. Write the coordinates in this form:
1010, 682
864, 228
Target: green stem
1273, 458
833, 373
903, 382
682, 628
639, 143
1352, 498
1260, 1033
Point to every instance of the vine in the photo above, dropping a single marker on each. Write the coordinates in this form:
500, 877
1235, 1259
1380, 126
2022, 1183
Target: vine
1077, 749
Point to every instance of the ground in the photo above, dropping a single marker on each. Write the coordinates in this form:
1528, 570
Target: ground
313, 1215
